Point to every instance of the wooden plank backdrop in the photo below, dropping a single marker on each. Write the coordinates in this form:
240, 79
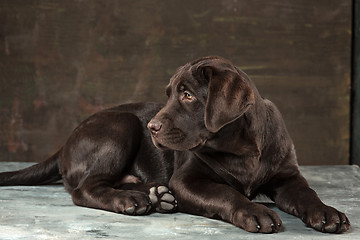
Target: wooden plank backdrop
61, 61
355, 126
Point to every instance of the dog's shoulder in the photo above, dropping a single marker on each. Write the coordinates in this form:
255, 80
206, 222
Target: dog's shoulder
273, 116
276, 132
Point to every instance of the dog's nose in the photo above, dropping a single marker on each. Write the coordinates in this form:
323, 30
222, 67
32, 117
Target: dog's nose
154, 126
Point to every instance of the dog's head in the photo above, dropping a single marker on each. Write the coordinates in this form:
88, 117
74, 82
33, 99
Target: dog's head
203, 97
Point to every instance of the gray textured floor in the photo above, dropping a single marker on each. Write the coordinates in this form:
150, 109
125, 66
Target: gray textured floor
46, 212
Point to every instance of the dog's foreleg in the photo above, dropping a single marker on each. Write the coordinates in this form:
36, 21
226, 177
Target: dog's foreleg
197, 194
293, 195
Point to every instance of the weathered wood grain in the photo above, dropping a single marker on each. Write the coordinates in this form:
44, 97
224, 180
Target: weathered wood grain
63, 60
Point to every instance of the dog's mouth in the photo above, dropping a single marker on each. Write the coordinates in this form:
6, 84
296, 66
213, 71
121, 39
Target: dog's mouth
177, 145
199, 145
159, 145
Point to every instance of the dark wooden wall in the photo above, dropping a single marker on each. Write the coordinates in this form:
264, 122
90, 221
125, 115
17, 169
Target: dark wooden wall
63, 60
355, 130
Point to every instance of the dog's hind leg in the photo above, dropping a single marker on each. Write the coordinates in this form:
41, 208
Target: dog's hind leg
96, 163
97, 193
131, 199
161, 198
97, 156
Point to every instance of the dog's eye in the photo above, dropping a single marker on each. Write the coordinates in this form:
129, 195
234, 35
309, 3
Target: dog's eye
188, 95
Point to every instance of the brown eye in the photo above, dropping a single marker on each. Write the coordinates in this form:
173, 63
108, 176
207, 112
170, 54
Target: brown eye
187, 95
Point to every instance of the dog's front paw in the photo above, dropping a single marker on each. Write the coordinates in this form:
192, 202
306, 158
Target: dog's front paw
162, 199
326, 219
257, 218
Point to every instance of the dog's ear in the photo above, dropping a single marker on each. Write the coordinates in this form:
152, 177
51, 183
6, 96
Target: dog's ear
229, 95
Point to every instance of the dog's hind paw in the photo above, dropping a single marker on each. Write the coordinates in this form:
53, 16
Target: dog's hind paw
162, 199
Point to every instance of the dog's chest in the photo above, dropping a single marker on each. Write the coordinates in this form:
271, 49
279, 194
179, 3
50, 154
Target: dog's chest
245, 174
248, 172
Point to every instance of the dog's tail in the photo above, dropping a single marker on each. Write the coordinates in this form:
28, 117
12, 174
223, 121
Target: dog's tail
39, 174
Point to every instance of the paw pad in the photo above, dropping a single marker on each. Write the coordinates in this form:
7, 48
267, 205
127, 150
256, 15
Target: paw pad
162, 199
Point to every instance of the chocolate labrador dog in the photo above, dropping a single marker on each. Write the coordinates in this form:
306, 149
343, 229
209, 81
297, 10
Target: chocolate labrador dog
216, 144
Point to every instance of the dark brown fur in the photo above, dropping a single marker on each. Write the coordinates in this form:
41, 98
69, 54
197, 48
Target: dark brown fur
218, 145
